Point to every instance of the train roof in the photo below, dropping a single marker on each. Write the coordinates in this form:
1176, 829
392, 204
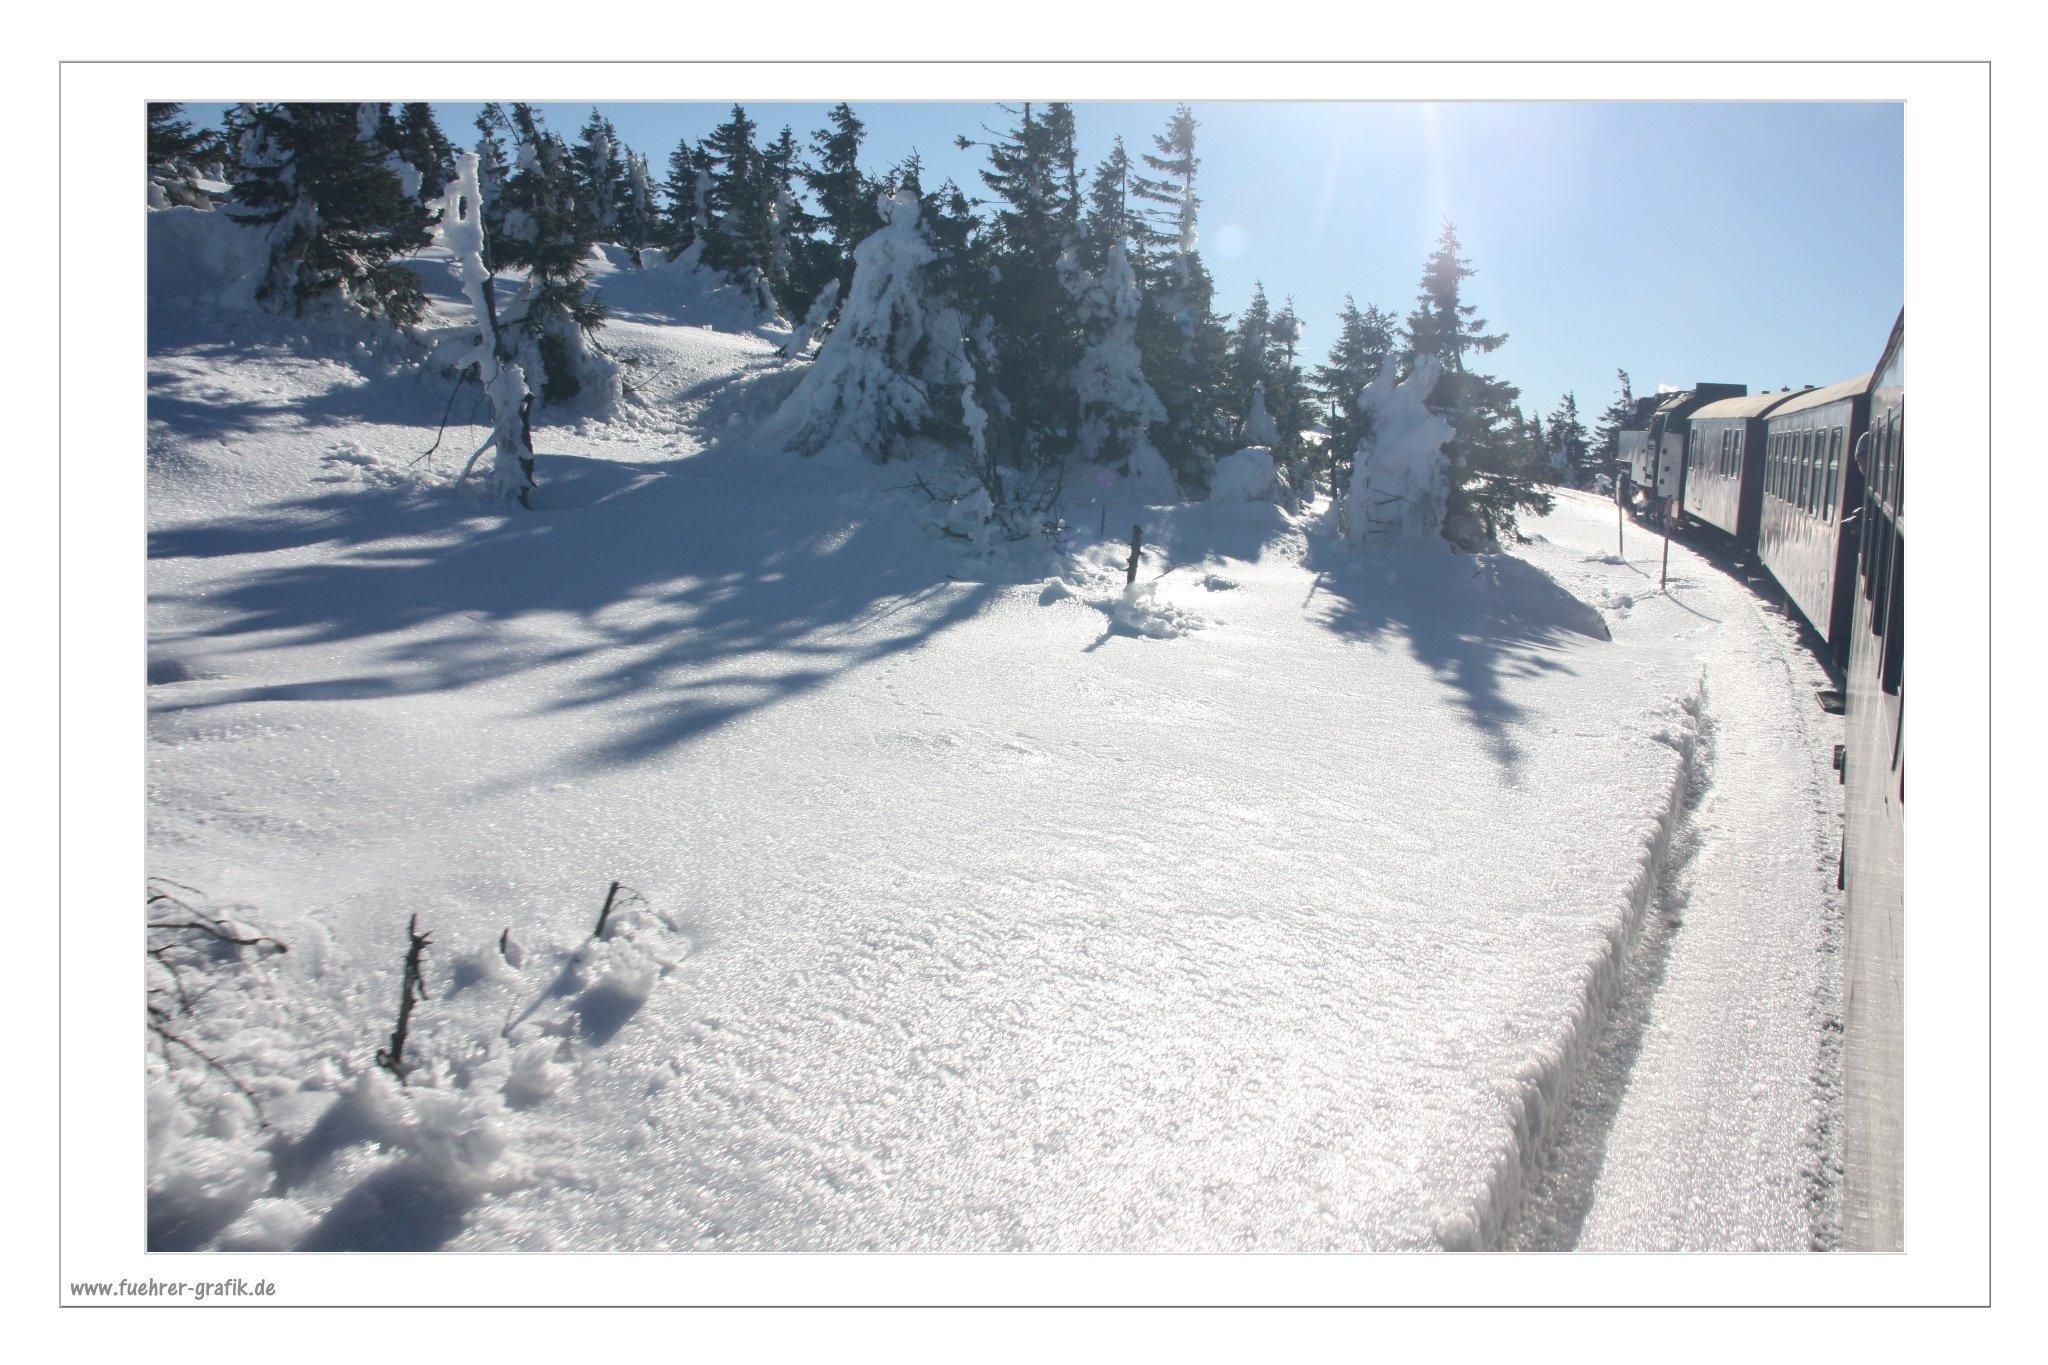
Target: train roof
1644, 409
1819, 398
1755, 405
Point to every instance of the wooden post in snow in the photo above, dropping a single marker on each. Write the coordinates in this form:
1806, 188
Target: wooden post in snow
1131, 569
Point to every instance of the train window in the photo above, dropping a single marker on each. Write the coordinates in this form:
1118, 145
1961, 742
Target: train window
1895, 618
1805, 485
1819, 467
1774, 449
1881, 481
1899, 459
1819, 471
1827, 509
1736, 467
1727, 442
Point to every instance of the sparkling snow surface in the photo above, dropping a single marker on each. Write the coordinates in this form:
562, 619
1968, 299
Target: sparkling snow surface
972, 913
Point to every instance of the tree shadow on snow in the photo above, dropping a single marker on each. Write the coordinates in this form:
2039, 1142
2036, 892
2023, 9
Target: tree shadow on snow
674, 601
1476, 621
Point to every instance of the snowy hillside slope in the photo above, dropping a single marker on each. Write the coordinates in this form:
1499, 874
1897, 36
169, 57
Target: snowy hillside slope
966, 905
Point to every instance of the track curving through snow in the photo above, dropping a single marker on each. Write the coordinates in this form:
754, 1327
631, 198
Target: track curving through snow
1707, 1117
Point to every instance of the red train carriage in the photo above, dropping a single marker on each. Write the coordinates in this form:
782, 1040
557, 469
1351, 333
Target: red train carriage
1724, 466
1810, 486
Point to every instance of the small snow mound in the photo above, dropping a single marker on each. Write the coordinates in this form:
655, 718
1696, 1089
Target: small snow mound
1140, 610
1056, 590
1248, 475
1216, 582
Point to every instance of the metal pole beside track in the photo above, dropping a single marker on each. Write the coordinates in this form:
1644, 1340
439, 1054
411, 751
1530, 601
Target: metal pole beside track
1665, 572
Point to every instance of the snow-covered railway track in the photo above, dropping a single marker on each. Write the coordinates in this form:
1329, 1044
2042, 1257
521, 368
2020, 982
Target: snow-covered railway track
1706, 1116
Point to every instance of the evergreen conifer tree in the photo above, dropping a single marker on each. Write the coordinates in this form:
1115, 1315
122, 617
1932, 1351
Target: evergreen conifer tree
1604, 456
737, 203
1183, 340
175, 156
1286, 392
1490, 470
1364, 341
547, 231
1250, 342
845, 195
638, 216
338, 215
797, 266
1567, 443
1112, 221
687, 214
599, 169
1037, 339
417, 138
493, 171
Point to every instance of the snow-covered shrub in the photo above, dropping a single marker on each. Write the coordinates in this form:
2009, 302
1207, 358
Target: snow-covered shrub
1400, 478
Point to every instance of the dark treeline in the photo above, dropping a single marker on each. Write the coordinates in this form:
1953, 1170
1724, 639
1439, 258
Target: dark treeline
1083, 296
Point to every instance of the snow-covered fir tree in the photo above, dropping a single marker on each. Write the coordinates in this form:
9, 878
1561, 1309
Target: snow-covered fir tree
493, 171
1491, 474
738, 202
1603, 456
179, 159
1287, 392
638, 221
1183, 340
1364, 341
337, 215
1250, 352
1035, 334
1118, 408
416, 136
686, 214
546, 231
599, 168
1401, 474
1567, 442
896, 370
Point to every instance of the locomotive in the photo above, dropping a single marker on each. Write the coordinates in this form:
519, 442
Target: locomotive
1812, 483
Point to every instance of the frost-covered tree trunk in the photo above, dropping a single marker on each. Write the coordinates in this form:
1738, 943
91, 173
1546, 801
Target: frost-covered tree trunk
462, 232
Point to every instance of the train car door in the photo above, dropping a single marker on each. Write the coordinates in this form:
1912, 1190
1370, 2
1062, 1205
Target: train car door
1670, 463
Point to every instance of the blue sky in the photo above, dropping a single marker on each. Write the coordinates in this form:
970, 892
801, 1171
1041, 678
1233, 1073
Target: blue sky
1755, 243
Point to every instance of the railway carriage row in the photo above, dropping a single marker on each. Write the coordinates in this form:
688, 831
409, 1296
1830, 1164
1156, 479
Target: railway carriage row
1812, 482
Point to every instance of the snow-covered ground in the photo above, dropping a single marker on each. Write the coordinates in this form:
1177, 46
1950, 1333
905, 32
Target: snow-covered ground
1308, 897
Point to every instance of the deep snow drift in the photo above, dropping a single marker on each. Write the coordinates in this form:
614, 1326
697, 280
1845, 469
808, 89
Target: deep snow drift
968, 901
